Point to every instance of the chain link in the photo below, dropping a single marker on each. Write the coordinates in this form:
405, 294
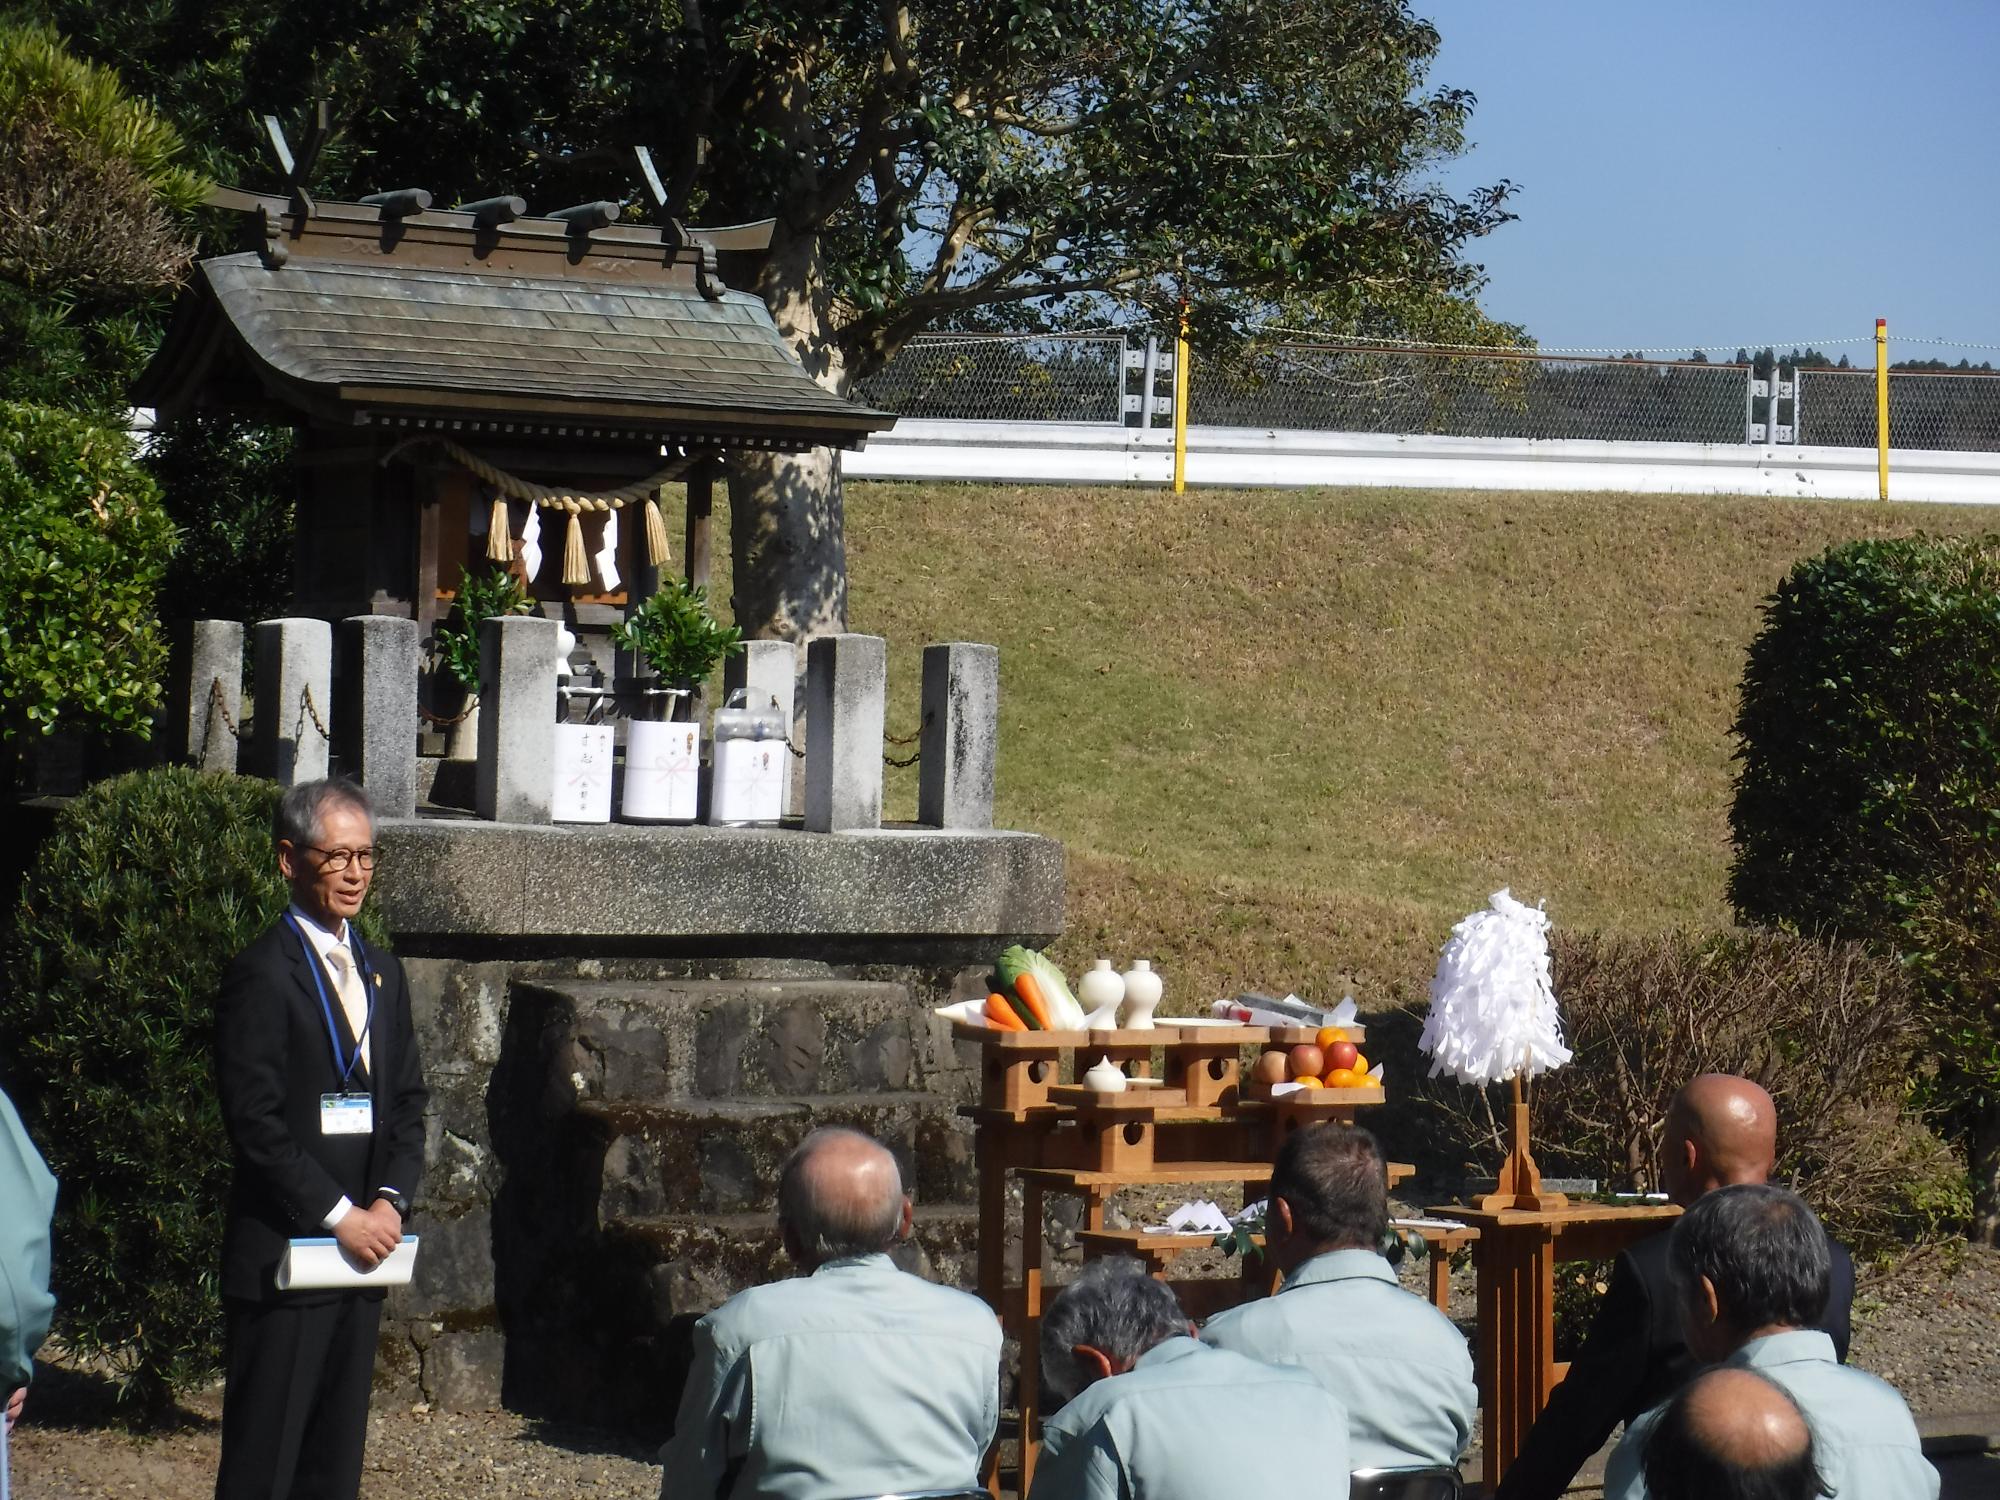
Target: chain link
439, 721
218, 705
307, 710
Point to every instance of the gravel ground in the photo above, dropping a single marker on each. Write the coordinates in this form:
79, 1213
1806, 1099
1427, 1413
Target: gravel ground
1932, 1328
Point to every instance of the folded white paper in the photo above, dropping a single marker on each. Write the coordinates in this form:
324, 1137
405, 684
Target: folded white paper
321, 1265
1198, 1217
1423, 1223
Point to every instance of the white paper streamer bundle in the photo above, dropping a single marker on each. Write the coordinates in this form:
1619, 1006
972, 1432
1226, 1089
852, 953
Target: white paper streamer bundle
1493, 1009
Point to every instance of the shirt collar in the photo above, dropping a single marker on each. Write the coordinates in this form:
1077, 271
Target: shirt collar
1340, 1265
318, 936
1180, 1346
1795, 1346
879, 1261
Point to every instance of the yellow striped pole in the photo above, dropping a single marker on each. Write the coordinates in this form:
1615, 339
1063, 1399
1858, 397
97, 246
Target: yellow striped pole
1181, 403
1882, 404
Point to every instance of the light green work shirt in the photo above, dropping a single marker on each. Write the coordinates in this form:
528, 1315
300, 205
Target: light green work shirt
1192, 1423
859, 1379
1397, 1364
1863, 1436
27, 1201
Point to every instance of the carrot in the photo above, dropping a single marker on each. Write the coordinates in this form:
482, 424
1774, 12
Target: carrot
1031, 996
1000, 1016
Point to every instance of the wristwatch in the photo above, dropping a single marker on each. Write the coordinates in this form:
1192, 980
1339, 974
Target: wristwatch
396, 1201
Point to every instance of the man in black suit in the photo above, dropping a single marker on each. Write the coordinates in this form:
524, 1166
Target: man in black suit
1720, 1130
323, 1097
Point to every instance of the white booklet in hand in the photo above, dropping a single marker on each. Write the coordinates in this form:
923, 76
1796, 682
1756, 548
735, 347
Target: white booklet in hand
321, 1265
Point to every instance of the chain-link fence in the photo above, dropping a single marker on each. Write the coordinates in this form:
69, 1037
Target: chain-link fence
1004, 378
1337, 387
1947, 412
1340, 388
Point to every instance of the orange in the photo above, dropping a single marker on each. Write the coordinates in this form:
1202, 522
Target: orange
1342, 1078
1309, 1082
1360, 1064
1328, 1035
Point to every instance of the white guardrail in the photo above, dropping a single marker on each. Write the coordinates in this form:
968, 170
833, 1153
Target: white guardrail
1099, 453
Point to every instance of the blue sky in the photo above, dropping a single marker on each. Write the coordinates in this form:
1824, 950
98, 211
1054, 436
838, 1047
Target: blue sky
1692, 170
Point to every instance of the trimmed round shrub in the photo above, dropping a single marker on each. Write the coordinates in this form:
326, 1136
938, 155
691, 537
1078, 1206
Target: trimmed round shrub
1868, 801
84, 542
146, 888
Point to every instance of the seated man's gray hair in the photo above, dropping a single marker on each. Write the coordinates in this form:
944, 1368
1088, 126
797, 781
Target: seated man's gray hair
1762, 1250
298, 819
1112, 1306
840, 1214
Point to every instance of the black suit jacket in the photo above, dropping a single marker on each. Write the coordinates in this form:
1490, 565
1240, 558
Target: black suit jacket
273, 1061
1632, 1359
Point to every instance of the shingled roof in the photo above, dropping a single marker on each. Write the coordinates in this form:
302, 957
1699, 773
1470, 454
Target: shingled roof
613, 345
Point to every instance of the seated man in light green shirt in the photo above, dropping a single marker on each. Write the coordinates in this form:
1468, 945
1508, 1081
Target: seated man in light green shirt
1750, 1267
1397, 1364
1154, 1414
857, 1379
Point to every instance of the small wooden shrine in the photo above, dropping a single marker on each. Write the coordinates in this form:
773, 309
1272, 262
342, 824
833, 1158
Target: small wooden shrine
479, 382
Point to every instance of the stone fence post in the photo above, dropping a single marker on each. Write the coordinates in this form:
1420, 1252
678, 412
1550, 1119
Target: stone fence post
515, 782
294, 680
377, 728
767, 670
205, 702
847, 688
961, 726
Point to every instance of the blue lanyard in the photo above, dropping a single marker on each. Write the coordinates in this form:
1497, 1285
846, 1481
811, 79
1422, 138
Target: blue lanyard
347, 1065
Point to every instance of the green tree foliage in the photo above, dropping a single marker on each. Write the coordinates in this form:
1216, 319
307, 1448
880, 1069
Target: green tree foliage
84, 542
145, 888
92, 198
227, 485
922, 159
1868, 799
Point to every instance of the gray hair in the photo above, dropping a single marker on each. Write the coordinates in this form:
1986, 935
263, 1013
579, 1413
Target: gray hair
1762, 1250
302, 810
837, 1219
1113, 1306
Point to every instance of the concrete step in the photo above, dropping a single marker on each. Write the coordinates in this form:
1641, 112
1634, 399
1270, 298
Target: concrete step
625, 1041
723, 1155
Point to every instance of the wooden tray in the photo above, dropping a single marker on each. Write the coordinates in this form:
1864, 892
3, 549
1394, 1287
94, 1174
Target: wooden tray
1125, 1101
1260, 1094
1292, 1036
1165, 1035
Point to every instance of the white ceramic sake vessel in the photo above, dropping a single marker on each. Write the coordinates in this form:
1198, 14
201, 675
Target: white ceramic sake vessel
1099, 992
1105, 1077
1143, 988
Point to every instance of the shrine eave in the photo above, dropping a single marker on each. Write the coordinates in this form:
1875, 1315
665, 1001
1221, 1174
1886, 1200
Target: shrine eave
356, 344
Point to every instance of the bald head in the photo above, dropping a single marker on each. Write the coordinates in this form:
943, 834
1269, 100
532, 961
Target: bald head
840, 1195
1731, 1435
1720, 1130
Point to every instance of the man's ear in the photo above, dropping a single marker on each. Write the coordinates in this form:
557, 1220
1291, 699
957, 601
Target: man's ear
288, 860
1279, 1218
907, 1223
1096, 1363
1706, 1303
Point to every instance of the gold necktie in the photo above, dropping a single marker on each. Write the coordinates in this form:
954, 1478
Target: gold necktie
353, 997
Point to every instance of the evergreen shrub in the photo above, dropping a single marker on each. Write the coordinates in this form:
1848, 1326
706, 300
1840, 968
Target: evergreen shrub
139, 897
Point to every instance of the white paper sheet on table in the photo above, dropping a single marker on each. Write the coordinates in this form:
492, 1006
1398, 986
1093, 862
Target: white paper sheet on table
1421, 1223
1198, 1217
321, 1265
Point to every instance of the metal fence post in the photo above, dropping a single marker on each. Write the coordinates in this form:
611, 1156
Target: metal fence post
1146, 382
1181, 403
1882, 406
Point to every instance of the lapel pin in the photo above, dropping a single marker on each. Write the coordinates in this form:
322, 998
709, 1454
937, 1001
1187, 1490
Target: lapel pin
378, 981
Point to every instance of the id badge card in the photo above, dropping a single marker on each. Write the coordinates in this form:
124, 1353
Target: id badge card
346, 1114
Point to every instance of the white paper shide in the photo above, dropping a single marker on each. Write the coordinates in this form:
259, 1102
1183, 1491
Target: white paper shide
1493, 1009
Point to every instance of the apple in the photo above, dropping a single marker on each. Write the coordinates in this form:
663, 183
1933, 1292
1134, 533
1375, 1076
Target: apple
1271, 1067
1307, 1060
1342, 1055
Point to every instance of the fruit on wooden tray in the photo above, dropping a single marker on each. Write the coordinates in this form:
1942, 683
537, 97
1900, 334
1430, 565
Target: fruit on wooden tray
1309, 1082
1307, 1061
1359, 1065
1271, 1067
1342, 1055
1344, 1078
1329, 1035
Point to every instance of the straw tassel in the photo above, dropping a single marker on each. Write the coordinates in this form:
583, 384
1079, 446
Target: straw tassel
657, 554
576, 563
499, 544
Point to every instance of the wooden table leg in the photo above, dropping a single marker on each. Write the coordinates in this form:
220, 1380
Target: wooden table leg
1440, 1269
1033, 1250
1516, 1354
990, 1160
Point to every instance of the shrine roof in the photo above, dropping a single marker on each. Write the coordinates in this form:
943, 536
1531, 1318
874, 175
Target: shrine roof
360, 330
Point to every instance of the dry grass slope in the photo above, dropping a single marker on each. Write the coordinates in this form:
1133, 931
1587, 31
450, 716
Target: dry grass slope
1289, 737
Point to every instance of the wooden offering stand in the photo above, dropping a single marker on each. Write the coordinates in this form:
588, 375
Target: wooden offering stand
1524, 1232
1035, 1122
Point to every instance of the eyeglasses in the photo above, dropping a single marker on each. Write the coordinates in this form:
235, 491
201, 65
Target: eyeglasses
333, 861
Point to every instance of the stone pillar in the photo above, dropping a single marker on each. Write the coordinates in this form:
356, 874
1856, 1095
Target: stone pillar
294, 686
961, 728
768, 672
847, 687
208, 654
378, 709
515, 782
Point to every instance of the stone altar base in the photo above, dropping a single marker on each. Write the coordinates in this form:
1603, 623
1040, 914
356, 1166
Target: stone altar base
625, 1030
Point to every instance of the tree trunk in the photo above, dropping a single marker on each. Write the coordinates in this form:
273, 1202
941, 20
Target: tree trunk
787, 529
1986, 1177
